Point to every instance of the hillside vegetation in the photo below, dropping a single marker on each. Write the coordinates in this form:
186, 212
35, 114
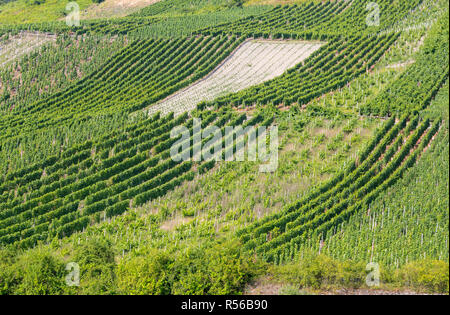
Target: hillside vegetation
88, 173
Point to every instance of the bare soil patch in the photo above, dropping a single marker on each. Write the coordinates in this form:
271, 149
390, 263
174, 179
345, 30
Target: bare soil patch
115, 8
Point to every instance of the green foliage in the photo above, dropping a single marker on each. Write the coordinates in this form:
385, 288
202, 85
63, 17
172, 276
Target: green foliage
410, 221
427, 275
219, 269
35, 11
235, 3
338, 199
322, 272
42, 274
317, 20
108, 167
53, 67
186, 25
36, 272
193, 7
146, 275
6, 1
216, 269
34, 2
91, 184
96, 259
162, 67
419, 84
322, 72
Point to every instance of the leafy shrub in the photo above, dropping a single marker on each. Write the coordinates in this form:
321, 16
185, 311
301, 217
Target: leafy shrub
217, 269
320, 272
97, 267
149, 275
35, 272
428, 275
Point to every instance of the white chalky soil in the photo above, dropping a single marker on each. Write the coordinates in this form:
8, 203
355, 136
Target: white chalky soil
254, 62
22, 44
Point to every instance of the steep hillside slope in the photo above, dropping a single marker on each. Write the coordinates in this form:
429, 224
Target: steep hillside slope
115, 144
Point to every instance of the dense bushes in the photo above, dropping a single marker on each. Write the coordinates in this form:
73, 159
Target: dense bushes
35, 272
214, 269
428, 275
97, 267
146, 275
320, 272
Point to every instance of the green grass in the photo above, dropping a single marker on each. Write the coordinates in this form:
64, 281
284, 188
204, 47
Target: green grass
24, 11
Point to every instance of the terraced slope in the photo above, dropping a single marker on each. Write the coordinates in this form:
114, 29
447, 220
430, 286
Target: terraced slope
164, 66
113, 8
394, 149
50, 67
421, 81
407, 222
310, 20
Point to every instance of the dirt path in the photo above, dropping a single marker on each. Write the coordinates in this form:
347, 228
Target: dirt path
400, 64
277, 289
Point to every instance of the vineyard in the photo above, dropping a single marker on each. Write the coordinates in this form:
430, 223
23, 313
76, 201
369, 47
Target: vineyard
329, 68
35, 75
311, 20
355, 92
128, 169
162, 66
231, 77
14, 47
385, 159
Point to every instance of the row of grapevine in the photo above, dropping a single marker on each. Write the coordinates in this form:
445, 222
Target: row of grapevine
104, 177
136, 77
309, 20
329, 68
174, 7
187, 25
314, 20
418, 85
404, 224
170, 17
52, 67
114, 26
376, 169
